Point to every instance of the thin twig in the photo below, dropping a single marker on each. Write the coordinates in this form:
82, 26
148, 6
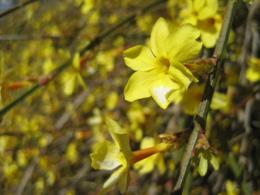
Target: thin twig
26, 177
17, 7
200, 118
19, 37
76, 104
96, 41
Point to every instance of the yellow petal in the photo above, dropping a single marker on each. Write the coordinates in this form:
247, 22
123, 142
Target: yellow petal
190, 19
182, 45
177, 95
105, 156
179, 73
119, 174
159, 34
139, 85
252, 75
198, 4
123, 182
120, 137
161, 89
191, 99
209, 10
219, 101
76, 61
161, 164
253, 72
70, 83
139, 58
146, 165
209, 37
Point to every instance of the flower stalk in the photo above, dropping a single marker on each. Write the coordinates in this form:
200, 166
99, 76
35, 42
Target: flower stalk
144, 153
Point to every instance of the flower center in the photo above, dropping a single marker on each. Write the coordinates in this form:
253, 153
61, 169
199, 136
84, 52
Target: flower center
209, 22
165, 63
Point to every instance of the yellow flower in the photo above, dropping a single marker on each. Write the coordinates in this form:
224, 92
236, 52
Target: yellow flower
160, 67
113, 156
253, 72
117, 156
192, 98
72, 78
204, 15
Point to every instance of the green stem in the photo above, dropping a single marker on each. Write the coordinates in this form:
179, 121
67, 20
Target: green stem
200, 118
96, 41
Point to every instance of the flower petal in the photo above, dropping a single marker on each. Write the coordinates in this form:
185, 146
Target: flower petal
120, 137
209, 38
220, 101
119, 174
159, 34
182, 45
70, 83
182, 75
191, 105
177, 95
146, 165
139, 84
161, 90
123, 181
198, 4
105, 156
209, 10
210, 32
139, 58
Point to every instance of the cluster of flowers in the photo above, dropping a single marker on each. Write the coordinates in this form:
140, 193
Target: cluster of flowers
168, 70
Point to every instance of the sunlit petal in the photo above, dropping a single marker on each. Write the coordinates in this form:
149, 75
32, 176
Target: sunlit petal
139, 58
139, 84
159, 33
161, 90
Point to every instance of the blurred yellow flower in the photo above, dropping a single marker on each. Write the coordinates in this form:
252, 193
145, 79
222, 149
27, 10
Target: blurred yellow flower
117, 156
113, 156
73, 77
204, 15
192, 97
253, 72
231, 188
160, 67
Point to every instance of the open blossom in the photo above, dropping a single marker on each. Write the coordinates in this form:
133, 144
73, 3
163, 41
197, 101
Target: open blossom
160, 67
115, 155
204, 15
118, 157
